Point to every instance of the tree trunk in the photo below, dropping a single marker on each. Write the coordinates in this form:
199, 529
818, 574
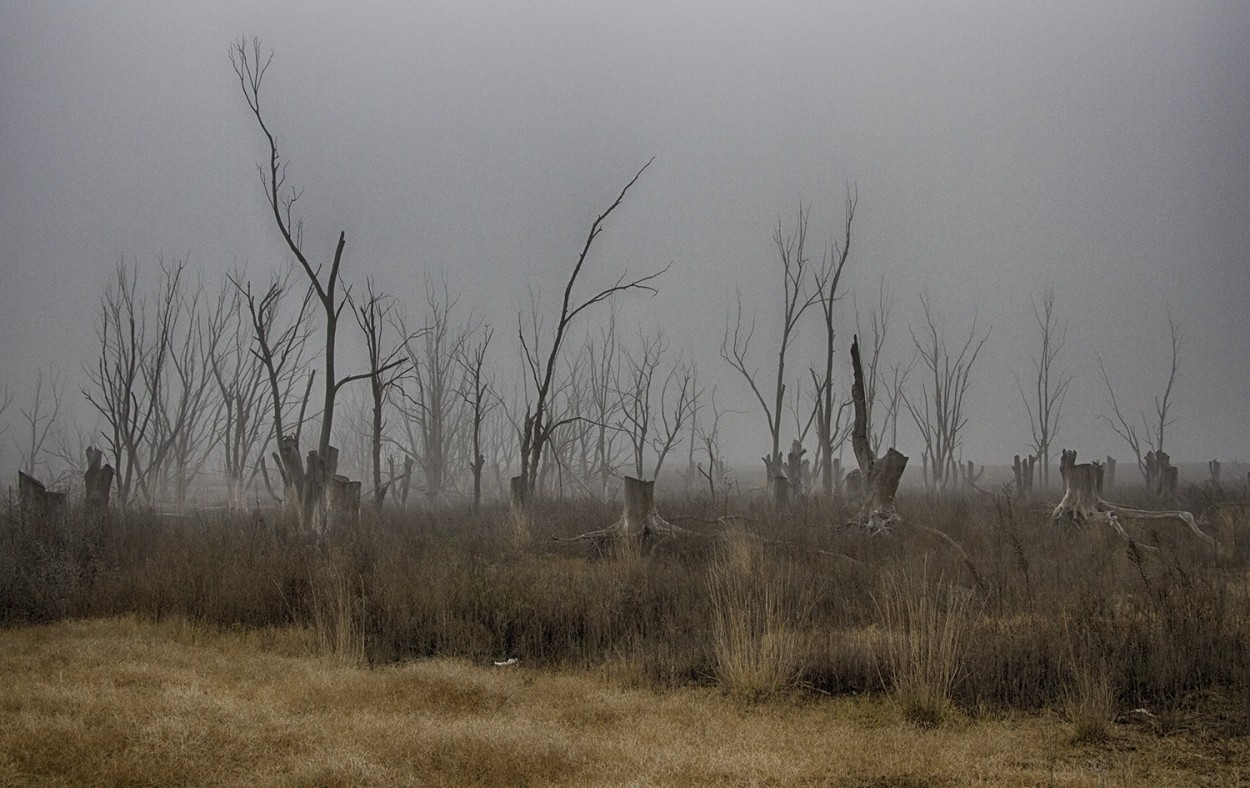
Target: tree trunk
1083, 503
342, 503
880, 477
98, 481
36, 500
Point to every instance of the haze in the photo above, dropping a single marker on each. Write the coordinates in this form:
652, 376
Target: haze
997, 150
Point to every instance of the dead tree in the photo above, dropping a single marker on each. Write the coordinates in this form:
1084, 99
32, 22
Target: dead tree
1151, 439
880, 476
1083, 502
97, 481
639, 523
475, 390
538, 424
939, 413
127, 372
1022, 470
250, 69
45, 408
827, 281
650, 420
603, 370
795, 300
387, 365
1044, 403
37, 501
281, 355
1109, 473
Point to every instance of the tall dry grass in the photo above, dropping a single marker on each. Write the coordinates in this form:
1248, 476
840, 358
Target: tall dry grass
927, 628
757, 619
802, 601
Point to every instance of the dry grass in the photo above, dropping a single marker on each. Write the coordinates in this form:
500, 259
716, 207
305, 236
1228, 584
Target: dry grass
927, 631
756, 620
119, 701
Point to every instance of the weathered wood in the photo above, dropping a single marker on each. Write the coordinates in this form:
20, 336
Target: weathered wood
519, 493
639, 522
880, 477
342, 502
794, 469
36, 500
1213, 467
1083, 502
1022, 470
1109, 473
97, 481
781, 492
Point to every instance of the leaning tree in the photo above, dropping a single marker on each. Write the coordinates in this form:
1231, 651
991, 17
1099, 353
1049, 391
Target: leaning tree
539, 424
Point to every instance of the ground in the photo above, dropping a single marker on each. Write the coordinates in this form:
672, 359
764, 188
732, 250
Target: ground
112, 701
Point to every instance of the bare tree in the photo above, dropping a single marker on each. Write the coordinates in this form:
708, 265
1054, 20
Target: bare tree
603, 369
116, 383
250, 68
43, 412
652, 420
281, 354
736, 344
475, 390
1044, 403
1153, 460
707, 433
827, 280
387, 365
428, 398
939, 412
538, 425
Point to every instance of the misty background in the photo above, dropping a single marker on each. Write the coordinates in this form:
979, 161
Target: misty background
996, 151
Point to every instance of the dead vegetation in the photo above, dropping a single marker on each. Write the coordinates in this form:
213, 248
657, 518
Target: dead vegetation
973, 612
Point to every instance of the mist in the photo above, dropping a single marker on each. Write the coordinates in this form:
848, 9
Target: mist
995, 152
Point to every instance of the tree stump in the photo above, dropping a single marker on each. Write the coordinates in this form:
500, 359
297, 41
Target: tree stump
639, 522
1022, 470
519, 493
1083, 502
36, 500
794, 469
1109, 473
97, 481
880, 475
1213, 467
342, 502
781, 493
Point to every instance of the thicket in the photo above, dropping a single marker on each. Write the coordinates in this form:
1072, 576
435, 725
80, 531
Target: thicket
978, 603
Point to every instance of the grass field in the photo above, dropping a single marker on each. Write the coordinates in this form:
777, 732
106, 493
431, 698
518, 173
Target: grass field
976, 643
120, 701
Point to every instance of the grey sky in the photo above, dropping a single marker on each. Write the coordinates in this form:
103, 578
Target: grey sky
1099, 147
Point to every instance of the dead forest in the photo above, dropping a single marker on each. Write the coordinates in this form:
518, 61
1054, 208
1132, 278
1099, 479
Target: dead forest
299, 446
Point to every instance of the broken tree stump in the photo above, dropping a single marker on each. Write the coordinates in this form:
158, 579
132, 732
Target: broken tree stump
639, 523
794, 469
97, 481
1083, 502
342, 502
880, 476
1109, 473
781, 493
1213, 468
1022, 470
36, 500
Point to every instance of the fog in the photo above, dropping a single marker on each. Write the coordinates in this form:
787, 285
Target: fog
996, 151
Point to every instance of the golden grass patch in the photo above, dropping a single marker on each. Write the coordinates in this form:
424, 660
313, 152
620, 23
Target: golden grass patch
121, 701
